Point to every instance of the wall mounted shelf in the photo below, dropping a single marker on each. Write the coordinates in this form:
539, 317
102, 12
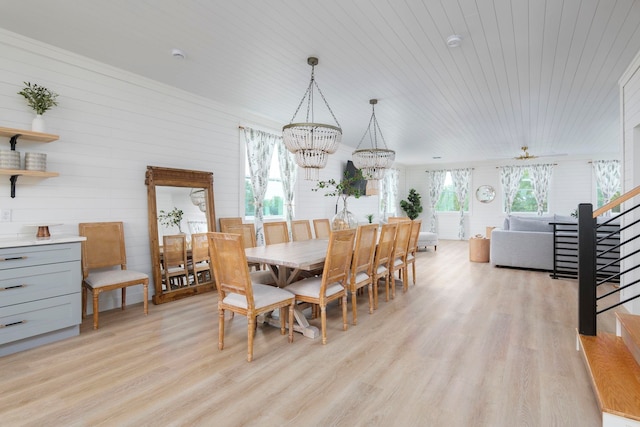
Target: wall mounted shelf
14, 134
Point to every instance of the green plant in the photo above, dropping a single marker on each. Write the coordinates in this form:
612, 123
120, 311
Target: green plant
344, 189
172, 218
369, 218
39, 98
575, 213
412, 207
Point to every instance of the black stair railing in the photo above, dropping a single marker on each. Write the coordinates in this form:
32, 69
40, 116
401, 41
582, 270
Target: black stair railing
601, 241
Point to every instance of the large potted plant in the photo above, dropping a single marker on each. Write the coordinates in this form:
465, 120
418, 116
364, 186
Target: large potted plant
40, 99
412, 206
343, 190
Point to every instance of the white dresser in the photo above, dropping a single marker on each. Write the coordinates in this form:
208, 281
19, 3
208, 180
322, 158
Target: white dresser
40, 291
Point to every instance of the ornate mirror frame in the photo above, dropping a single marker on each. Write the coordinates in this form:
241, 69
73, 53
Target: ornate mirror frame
169, 177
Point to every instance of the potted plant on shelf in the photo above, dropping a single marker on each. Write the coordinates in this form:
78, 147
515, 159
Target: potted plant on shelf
172, 218
412, 207
40, 99
343, 189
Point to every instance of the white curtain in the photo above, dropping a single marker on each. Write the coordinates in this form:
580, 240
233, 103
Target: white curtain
608, 177
259, 150
436, 183
461, 181
389, 195
288, 173
541, 182
510, 177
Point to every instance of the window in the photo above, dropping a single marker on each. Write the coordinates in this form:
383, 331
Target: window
448, 201
273, 205
525, 201
601, 201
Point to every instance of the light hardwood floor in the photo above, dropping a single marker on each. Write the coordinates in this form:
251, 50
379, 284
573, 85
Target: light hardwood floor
469, 345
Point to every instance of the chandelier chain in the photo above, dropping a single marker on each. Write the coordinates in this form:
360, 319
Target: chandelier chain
376, 131
309, 94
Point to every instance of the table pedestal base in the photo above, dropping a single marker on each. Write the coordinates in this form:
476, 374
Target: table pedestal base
301, 323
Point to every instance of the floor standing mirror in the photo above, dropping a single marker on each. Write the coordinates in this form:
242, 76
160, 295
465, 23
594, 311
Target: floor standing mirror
180, 208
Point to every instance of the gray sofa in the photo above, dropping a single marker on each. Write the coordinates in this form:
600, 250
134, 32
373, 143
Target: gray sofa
525, 242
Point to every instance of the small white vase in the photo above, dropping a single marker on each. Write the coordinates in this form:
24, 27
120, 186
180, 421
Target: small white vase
37, 125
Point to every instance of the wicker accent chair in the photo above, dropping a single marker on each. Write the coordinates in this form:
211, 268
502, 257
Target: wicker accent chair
360, 273
413, 246
175, 269
200, 259
322, 228
301, 230
238, 294
399, 258
382, 259
103, 249
275, 232
332, 285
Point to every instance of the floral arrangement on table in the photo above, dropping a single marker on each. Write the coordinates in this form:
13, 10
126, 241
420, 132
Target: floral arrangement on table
344, 189
39, 98
172, 218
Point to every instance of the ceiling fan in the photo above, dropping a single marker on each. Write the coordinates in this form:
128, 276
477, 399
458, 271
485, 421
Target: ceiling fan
527, 156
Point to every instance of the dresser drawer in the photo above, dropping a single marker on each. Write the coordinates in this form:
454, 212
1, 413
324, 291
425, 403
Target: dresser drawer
37, 255
38, 317
43, 281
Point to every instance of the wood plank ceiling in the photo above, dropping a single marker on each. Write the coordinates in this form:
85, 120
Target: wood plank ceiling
541, 73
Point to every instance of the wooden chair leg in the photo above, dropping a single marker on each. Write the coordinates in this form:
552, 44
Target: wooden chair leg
354, 307
283, 321
251, 328
124, 297
145, 296
96, 294
344, 312
291, 320
370, 287
323, 322
220, 329
84, 301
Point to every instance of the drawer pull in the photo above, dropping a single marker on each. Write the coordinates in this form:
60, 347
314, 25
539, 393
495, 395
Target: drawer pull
13, 287
13, 258
13, 324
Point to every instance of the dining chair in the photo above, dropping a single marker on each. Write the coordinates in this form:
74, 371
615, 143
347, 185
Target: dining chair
322, 228
413, 246
175, 270
332, 285
225, 222
399, 257
238, 294
360, 272
104, 265
200, 259
301, 230
248, 233
398, 218
275, 232
382, 259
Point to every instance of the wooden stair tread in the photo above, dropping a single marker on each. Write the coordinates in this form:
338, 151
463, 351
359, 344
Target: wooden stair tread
615, 375
631, 323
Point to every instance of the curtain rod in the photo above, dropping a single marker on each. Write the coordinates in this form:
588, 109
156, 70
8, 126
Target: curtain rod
552, 164
446, 170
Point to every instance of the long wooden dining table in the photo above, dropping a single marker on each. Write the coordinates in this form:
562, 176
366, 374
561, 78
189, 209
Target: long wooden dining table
286, 261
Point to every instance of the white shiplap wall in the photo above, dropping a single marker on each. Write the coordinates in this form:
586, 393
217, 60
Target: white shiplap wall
112, 124
630, 124
572, 183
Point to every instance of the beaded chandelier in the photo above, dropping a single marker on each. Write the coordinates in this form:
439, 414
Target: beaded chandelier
311, 142
373, 161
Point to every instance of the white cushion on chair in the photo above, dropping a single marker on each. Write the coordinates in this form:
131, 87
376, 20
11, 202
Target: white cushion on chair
263, 295
311, 287
381, 269
360, 277
105, 278
262, 276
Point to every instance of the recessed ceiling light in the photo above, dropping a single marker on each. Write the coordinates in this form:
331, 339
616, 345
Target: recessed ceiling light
436, 157
177, 53
454, 40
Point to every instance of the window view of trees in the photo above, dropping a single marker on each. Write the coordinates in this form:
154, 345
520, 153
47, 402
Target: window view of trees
601, 201
525, 201
448, 201
273, 205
